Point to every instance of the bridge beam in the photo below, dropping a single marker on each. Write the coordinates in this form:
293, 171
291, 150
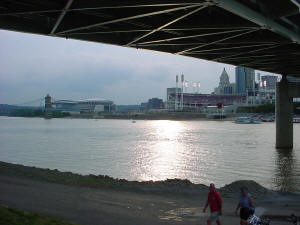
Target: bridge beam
294, 90
284, 114
61, 16
237, 8
165, 11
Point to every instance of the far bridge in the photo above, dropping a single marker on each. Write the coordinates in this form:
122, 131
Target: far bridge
263, 35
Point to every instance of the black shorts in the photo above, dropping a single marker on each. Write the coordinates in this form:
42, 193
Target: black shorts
245, 213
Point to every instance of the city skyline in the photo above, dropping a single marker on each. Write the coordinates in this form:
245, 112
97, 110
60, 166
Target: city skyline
33, 66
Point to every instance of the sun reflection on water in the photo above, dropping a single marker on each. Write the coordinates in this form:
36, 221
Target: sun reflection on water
167, 149
166, 129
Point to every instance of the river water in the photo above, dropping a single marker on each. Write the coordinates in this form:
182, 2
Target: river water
201, 151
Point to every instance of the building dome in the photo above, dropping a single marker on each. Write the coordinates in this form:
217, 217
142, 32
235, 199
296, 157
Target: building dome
225, 87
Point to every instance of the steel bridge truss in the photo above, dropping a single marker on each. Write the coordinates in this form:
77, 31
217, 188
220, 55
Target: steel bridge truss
263, 36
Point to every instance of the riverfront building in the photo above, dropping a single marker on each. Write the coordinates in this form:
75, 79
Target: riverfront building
85, 106
244, 80
225, 87
195, 100
170, 97
269, 82
153, 103
267, 89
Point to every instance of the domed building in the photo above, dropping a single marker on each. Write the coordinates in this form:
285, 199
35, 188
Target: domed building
225, 87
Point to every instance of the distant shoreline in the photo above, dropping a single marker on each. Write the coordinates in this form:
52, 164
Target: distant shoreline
154, 116
178, 117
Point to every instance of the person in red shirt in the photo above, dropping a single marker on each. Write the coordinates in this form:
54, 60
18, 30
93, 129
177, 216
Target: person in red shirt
214, 201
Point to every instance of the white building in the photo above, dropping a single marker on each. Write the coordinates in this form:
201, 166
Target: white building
225, 87
85, 106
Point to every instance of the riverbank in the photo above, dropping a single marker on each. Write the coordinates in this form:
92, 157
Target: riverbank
103, 200
16, 217
175, 186
177, 116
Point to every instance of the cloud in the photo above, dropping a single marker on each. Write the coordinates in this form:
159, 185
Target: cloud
32, 66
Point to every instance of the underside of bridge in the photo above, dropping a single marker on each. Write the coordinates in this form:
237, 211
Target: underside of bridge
261, 34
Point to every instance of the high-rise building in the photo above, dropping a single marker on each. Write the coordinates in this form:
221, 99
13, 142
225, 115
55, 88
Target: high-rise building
269, 82
244, 80
225, 87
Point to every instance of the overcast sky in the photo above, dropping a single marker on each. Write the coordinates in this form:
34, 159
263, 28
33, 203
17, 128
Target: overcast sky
32, 66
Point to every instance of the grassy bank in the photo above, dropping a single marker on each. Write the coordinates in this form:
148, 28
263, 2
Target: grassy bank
17, 217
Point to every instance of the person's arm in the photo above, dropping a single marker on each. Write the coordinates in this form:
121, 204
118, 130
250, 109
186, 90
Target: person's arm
237, 208
206, 205
220, 204
251, 201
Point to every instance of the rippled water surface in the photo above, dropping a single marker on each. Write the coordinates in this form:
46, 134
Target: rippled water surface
201, 151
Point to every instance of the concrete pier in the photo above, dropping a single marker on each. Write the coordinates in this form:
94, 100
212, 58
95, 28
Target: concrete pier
285, 92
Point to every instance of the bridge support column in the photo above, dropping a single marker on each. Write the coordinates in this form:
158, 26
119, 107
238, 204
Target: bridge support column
284, 115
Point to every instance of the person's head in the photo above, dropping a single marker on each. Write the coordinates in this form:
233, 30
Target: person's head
244, 190
212, 187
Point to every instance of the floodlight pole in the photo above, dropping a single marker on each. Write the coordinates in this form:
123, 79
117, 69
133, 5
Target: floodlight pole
176, 93
182, 86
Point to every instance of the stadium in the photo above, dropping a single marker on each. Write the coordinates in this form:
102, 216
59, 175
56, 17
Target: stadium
85, 106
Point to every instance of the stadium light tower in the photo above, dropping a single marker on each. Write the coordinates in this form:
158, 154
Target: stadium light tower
182, 86
198, 87
186, 85
176, 93
194, 87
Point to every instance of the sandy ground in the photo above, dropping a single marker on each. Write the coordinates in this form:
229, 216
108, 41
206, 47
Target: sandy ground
85, 205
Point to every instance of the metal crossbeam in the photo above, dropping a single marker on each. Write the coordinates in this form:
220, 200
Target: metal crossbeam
238, 9
218, 41
296, 3
165, 25
250, 57
164, 29
94, 8
276, 60
192, 36
130, 18
229, 48
202, 43
208, 53
168, 44
253, 51
61, 16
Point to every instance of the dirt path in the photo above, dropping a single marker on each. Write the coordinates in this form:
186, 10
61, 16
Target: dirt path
85, 206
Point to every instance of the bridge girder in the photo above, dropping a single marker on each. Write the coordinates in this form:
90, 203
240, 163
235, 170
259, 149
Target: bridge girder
249, 33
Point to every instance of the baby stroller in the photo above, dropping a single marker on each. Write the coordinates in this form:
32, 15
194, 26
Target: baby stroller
293, 219
255, 220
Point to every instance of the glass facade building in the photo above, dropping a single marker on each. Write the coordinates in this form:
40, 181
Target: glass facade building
244, 80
